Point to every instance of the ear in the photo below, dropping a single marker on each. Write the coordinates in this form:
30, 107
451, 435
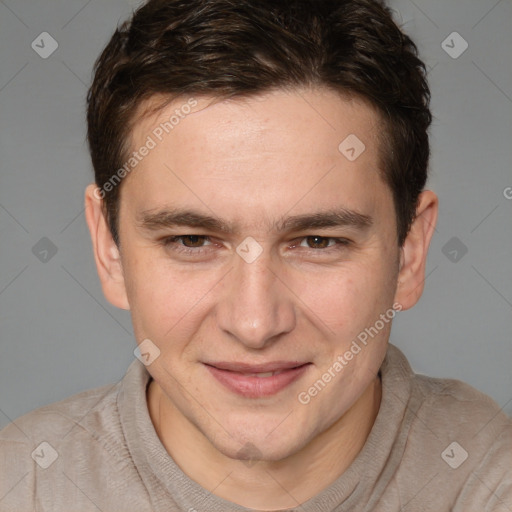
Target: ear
413, 254
106, 252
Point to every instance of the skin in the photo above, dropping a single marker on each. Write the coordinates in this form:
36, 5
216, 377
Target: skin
252, 163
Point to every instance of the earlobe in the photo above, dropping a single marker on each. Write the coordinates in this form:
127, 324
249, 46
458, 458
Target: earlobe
106, 252
413, 254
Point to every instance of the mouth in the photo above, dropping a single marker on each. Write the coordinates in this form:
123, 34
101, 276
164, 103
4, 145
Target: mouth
257, 381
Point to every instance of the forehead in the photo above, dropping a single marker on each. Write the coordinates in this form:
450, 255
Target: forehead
327, 114
261, 154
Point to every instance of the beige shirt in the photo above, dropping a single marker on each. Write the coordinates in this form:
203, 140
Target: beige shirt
436, 445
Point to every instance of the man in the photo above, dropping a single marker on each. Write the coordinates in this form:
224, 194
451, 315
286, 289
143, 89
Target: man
259, 207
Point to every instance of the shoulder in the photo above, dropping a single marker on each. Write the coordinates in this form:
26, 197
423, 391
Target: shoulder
49, 448
56, 419
473, 437
82, 426
450, 404
459, 437
443, 404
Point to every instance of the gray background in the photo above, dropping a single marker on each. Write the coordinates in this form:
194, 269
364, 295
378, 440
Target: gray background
59, 335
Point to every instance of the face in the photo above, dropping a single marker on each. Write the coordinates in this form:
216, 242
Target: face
254, 252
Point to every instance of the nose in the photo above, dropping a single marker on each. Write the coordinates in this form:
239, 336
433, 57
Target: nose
256, 307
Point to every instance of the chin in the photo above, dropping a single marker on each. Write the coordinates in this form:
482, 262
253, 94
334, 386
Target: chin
255, 451
259, 444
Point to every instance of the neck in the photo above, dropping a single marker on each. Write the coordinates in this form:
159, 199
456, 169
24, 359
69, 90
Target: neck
267, 485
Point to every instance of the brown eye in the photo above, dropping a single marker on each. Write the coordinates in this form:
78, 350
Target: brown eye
193, 240
190, 246
318, 242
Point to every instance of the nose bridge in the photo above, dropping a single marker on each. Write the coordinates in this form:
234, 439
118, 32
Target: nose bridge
255, 307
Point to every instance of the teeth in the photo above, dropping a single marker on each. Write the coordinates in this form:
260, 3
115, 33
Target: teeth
262, 375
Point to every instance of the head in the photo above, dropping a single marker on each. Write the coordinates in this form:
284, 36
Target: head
299, 124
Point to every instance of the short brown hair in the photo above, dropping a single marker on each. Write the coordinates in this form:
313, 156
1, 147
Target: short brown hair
230, 48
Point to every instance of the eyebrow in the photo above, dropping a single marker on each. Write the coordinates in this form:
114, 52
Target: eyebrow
151, 220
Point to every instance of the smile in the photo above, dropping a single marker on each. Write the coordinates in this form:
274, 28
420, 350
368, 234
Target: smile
257, 381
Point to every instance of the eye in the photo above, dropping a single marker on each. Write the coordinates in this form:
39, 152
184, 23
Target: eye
191, 240
322, 242
191, 244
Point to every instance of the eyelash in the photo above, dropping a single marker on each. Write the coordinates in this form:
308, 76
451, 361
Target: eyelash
340, 243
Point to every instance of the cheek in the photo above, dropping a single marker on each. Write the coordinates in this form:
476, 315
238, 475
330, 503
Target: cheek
345, 299
155, 305
166, 303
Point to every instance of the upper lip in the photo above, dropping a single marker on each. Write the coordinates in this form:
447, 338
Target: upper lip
272, 366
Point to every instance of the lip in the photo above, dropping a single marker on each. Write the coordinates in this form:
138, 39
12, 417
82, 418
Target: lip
241, 378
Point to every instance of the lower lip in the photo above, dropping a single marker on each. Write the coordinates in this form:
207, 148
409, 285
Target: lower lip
257, 387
